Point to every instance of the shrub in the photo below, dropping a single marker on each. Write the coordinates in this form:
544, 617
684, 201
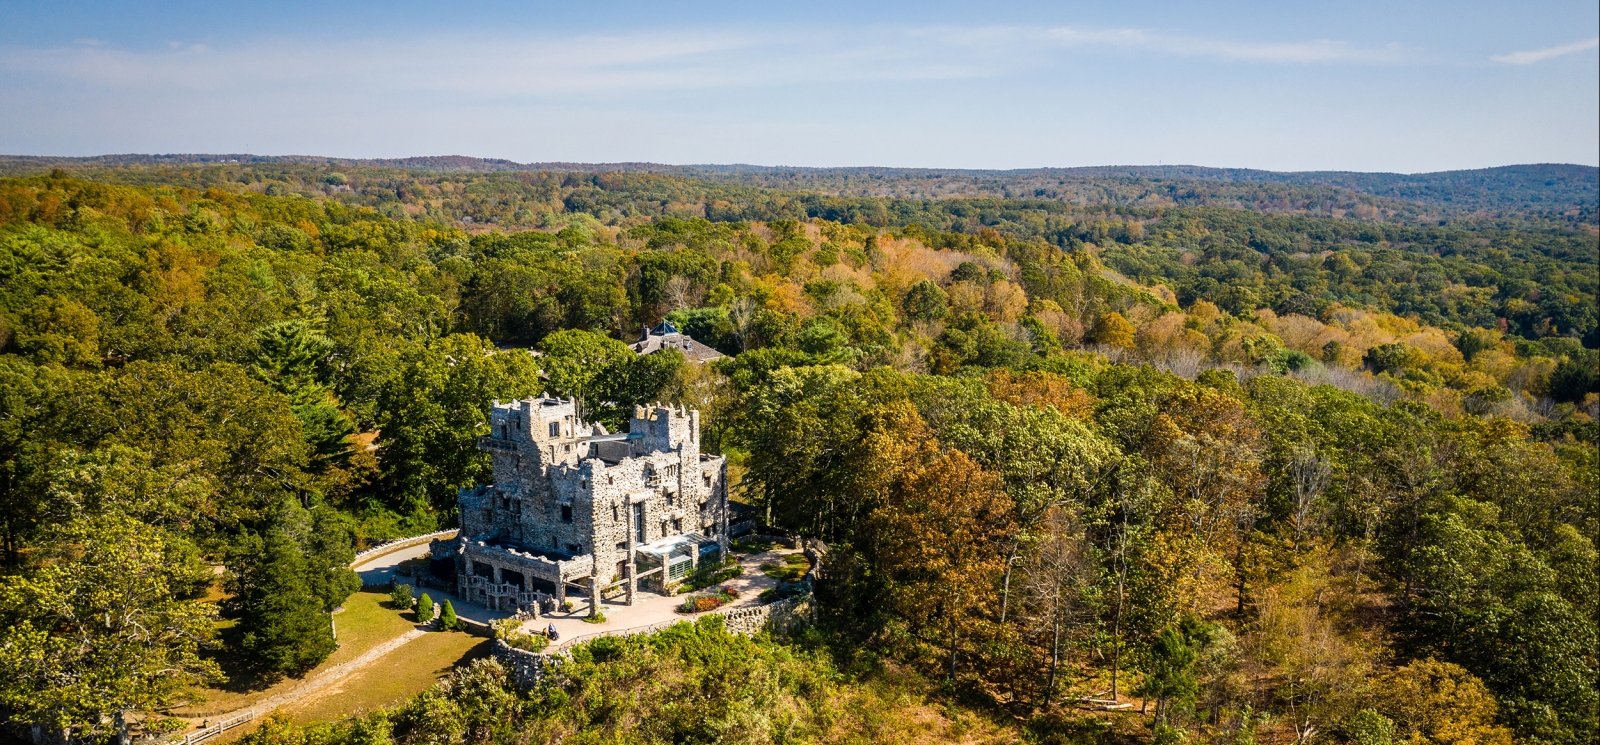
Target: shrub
447, 618
783, 591
751, 546
709, 574
425, 608
598, 617
400, 597
509, 630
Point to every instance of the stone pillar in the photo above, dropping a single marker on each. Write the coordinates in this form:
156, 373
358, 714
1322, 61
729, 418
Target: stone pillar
561, 589
633, 581
594, 594
666, 563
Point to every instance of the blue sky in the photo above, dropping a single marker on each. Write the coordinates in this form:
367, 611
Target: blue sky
1390, 86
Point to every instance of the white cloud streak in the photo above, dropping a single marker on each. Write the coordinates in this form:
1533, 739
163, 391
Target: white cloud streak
1540, 55
1140, 40
519, 67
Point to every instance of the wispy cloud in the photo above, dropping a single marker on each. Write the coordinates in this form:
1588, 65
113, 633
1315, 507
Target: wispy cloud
1024, 39
521, 66
1540, 55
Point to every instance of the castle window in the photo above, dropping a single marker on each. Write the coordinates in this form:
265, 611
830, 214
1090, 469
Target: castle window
707, 479
614, 516
573, 548
677, 526
555, 429
502, 431
566, 513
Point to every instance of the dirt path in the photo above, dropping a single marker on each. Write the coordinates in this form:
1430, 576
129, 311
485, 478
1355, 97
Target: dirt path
319, 681
379, 562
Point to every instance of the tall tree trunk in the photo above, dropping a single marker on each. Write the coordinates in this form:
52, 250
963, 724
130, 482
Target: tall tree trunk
1116, 621
1240, 568
1005, 584
953, 640
1055, 662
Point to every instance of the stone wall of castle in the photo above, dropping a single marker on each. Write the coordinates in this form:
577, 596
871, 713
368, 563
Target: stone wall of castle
553, 492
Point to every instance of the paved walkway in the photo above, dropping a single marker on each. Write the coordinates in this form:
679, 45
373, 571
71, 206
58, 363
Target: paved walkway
648, 608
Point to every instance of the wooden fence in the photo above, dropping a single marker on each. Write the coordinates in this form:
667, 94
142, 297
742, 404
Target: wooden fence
213, 730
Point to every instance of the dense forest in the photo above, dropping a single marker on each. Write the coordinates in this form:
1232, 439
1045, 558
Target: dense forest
1273, 473
1505, 191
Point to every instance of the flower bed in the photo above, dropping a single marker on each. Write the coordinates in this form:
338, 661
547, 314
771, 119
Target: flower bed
700, 603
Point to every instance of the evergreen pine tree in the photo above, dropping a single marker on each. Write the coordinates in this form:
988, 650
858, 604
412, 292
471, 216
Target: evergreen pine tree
425, 608
447, 617
283, 627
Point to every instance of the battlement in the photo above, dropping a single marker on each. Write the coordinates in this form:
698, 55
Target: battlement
664, 429
536, 420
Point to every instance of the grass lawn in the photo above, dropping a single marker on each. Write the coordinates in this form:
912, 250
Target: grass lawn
365, 623
395, 677
794, 567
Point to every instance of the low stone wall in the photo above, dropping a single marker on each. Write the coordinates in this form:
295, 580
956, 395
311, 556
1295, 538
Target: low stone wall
781, 616
526, 668
476, 628
396, 545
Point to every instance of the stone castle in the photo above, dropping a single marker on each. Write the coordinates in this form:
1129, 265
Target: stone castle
575, 508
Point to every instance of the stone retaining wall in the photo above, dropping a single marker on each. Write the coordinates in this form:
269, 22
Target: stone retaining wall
782, 616
526, 668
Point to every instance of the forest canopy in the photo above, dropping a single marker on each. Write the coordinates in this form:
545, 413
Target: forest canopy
1273, 469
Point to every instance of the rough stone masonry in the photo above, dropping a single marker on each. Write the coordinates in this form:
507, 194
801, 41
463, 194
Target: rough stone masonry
576, 508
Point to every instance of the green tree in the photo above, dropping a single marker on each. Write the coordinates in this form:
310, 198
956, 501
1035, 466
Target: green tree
400, 597
574, 361
110, 625
447, 617
61, 331
285, 580
1169, 674
290, 356
925, 301
432, 413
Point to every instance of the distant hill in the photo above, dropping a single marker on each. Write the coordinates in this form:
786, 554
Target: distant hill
1546, 188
